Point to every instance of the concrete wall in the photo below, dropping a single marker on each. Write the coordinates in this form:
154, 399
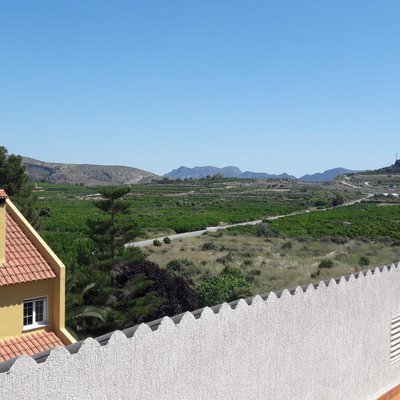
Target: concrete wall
327, 343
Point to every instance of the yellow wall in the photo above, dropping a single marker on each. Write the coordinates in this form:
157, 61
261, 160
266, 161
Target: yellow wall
11, 305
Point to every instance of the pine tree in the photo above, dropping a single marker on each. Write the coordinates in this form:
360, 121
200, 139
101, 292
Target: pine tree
110, 233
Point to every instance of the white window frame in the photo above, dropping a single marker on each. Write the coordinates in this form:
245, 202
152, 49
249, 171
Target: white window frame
35, 324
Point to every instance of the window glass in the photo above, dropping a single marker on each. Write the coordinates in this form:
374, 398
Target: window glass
35, 312
39, 310
28, 313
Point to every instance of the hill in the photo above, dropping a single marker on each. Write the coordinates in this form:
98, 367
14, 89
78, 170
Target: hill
86, 174
325, 176
393, 169
227, 172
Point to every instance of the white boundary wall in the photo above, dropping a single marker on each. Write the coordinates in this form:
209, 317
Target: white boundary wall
327, 343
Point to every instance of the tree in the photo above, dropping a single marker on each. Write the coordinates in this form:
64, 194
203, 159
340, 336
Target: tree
170, 294
338, 200
15, 181
111, 233
133, 301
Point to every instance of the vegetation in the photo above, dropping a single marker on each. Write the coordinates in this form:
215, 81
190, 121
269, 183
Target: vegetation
127, 290
326, 263
15, 181
110, 287
109, 234
229, 285
362, 221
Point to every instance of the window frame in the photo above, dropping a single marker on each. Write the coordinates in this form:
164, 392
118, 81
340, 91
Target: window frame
35, 324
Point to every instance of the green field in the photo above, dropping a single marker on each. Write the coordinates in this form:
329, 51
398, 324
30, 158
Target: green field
181, 207
362, 221
161, 209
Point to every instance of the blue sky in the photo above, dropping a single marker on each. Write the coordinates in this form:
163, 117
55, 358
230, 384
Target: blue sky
272, 86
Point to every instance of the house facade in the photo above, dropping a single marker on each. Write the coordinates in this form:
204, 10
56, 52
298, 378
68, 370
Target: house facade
32, 288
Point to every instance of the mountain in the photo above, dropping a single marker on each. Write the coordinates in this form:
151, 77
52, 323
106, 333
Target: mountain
393, 169
202, 172
227, 172
326, 176
86, 174
263, 175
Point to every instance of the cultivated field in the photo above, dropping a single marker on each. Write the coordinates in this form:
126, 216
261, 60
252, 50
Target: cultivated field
283, 253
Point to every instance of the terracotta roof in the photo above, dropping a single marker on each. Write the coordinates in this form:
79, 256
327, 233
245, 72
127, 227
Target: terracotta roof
29, 345
23, 263
3, 194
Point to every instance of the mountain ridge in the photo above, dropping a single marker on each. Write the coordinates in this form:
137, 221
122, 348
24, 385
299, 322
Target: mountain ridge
228, 172
86, 174
235, 172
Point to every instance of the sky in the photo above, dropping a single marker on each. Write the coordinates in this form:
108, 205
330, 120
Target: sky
268, 86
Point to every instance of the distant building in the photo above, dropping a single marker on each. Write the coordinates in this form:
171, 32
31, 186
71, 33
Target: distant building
32, 288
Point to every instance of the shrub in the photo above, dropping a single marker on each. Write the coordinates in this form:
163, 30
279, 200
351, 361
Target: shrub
363, 261
45, 212
178, 266
287, 246
209, 246
320, 202
226, 259
229, 285
167, 240
157, 243
337, 201
262, 230
326, 264
315, 274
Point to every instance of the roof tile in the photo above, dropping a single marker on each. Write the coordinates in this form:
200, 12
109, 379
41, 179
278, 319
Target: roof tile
23, 263
29, 344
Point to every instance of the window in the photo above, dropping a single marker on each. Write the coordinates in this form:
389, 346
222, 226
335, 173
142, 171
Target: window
35, 312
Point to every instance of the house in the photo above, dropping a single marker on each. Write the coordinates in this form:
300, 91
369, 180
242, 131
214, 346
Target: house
32, 288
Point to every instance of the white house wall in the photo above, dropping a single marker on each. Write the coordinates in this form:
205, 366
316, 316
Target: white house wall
327, 343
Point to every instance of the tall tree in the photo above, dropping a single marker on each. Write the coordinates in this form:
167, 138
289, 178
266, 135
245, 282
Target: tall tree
15, 181
110, 233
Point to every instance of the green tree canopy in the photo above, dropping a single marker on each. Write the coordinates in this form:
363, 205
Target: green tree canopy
110, 233
15, 181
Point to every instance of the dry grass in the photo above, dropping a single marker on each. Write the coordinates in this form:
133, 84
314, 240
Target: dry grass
272, 263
